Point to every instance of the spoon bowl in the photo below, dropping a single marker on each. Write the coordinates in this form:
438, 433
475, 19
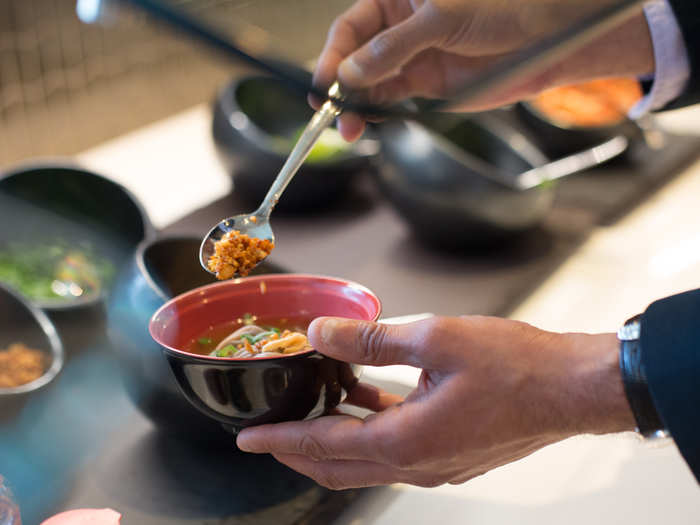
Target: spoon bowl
257, 224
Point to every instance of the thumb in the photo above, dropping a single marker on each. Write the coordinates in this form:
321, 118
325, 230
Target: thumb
384, 54
368, 343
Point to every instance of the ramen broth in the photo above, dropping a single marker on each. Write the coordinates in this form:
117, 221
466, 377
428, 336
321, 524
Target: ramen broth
207, 342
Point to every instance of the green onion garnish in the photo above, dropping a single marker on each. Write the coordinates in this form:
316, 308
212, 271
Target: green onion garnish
262, 335
226, 351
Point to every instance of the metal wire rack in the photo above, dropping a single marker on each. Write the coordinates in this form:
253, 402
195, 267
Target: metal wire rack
65, 86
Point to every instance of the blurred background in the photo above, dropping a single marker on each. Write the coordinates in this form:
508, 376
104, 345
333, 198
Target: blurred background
66, 86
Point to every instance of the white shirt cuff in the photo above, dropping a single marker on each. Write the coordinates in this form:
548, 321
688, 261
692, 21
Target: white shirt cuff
672, 68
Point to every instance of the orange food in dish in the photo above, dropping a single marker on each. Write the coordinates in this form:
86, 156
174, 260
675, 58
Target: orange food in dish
20, 365
237, 254
602, 102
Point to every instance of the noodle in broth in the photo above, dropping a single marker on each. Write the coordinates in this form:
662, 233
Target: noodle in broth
249, 338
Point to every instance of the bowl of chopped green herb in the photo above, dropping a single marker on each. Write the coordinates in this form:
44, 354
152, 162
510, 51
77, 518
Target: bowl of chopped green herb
64, 232
56, 273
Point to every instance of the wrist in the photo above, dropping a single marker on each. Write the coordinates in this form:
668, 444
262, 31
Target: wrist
626, 51
594, 390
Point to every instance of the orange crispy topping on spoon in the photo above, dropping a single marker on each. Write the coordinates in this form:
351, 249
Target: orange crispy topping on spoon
238, 253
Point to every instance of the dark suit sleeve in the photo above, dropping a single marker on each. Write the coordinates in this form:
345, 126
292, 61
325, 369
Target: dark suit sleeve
670, 346
688, 15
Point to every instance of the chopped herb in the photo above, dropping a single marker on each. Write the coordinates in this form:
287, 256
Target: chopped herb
261, 336
54, 270
226, 351
275, 329
247, 337
248, 319
204, 340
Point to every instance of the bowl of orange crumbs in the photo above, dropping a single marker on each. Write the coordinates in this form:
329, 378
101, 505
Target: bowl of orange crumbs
573, 118
31, 353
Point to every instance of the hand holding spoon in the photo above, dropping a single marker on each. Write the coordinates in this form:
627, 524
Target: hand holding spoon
256, 225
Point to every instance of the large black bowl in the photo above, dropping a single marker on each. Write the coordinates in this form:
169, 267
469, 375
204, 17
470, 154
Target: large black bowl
254, 118
159, 270
42, 202
21, 322
558, 140
436, 175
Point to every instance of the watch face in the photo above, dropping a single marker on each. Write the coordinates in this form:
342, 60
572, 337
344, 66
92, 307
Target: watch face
661, 435
630, 330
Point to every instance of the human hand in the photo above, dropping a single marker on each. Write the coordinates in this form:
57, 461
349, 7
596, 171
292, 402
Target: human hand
491, 391
395, 49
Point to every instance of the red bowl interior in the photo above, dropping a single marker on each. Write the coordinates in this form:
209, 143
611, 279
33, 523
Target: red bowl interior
190, 314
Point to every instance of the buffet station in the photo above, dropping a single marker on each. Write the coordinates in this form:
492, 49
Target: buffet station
449, 215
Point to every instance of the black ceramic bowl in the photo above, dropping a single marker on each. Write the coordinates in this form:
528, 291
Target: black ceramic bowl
435, 175
21, 322
256, 120
240, 392
65, 207
557, 139
158, 270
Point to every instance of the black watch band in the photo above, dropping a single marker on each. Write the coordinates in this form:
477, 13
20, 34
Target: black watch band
634, 378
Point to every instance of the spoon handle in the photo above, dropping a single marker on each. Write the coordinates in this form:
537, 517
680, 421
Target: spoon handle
323, 118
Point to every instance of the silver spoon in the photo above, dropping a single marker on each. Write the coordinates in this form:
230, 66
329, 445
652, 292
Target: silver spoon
257, 224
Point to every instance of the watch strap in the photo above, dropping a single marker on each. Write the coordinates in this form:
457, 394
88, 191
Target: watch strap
634, 378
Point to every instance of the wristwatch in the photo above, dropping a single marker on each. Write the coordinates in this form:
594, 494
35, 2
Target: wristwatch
634, 378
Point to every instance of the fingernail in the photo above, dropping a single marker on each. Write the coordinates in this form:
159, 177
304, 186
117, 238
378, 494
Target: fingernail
328, 329
350, 73
244, 443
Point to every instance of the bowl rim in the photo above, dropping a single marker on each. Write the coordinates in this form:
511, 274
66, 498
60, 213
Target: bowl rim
149, 230
227, 101
55, 346
139, 258
255, 278
503, 131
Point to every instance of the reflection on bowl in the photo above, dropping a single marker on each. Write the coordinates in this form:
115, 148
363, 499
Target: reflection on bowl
256, 123
244, 392
158, 270
63, 233
436, 175
21, 322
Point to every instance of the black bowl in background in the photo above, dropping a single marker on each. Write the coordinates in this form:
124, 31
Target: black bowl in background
559, 140
251, 115
435, 175
159, 270
61, 201
21, 322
